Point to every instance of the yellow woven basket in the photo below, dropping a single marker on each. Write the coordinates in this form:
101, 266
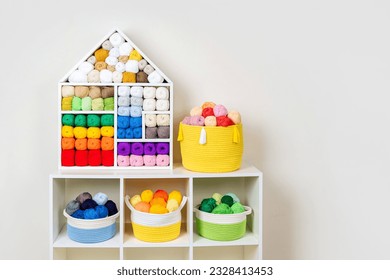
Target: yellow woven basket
156, 227
211, 149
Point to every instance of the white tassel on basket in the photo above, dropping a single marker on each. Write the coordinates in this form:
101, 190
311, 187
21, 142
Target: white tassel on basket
202, 138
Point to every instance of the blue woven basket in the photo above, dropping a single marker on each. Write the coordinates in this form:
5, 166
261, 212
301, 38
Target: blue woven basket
91, 231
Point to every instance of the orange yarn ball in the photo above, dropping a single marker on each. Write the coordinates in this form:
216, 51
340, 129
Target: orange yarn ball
208, 105
159, 201
101, 54
128, 77
142, 206
161, 193
158, 209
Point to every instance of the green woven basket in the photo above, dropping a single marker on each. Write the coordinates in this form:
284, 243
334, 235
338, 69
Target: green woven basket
221, 227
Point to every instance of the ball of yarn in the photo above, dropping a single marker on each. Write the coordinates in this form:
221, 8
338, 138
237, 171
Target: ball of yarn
90, 214
93, 76
142, 64
158, 200
234, 196
91, 59
235, 117
237, 208
99, 66
161, 193
125, 49
78, 76
101, 54
79, 214
227, 199
72, 207
217, 197
88, 203
135, 199
158, 209
111, 207
207, 205
222, 209
208, 105
107, 45
106, 76
186, 120
83, 196
172, 205
101, 211
224, 121
100, 198
220, 110
147, 195
86, 67
142, 206
197, 120
196, 111
210, 121
176, 195
116, 39
207, 112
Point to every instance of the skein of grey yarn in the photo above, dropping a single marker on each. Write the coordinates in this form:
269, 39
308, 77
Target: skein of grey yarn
72, 207
83, 196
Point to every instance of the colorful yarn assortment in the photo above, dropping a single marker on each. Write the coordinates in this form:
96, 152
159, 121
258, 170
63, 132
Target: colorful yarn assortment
222, 204
158, 202
90, 142
86, 207
83, 98
117, 61
211, 114
143, 154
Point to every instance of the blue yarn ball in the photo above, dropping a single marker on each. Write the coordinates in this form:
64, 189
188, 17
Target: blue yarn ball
101, 211
90, 214
79, 214
100, 198
111, 207
88, 203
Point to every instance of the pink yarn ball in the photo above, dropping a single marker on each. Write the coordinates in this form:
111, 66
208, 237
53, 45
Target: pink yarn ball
149, 160
220, 110
136, 160
186, 120
197, 120
123, 160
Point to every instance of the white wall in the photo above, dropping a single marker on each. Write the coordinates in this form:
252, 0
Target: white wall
311, 79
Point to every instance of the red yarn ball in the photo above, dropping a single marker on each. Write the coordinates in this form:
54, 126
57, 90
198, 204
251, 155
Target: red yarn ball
207, 112
224, 121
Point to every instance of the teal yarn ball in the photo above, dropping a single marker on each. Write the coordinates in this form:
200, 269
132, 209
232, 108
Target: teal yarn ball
234, 196
101, 211
207, 205
68, 119
93, 121
72, 207
237, 208
227, 199
222, 209
79, 214
107, 120
80, 120
91, 214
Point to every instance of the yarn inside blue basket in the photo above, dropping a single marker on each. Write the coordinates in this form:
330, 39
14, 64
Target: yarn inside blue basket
91, 214
101, 211
111, 207
79, 214
100, 198
88, 203
72, 207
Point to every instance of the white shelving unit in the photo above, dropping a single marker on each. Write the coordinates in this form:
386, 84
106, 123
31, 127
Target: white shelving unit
246, 183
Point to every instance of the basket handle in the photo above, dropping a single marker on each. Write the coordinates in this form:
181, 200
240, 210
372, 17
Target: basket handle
247, 211
180, 134
236, 135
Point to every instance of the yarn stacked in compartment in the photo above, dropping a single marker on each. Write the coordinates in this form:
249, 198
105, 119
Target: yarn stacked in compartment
211, 114
115, 61
143, 154
84, 98
158, 202
87, 140
84, 206
222, 204
132, 101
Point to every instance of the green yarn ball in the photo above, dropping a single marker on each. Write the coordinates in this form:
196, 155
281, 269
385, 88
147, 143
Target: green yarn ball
227, 199
234, 196
237, 208
222, 209
68, 119
93, 120
80, 120
107, 120
217, 197
108, 104
207, 205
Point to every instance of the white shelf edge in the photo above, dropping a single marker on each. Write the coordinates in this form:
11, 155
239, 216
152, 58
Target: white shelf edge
247, 240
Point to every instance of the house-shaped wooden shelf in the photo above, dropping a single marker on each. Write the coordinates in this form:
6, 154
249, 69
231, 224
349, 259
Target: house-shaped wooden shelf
115, 110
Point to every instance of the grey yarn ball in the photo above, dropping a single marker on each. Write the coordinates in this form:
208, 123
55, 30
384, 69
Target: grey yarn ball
83, 196
72, 207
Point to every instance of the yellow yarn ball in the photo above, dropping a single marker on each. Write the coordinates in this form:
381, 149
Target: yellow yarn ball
172, 205
93, 132
158, 209
134, 55
135, 199
147, 195
67, 131
128, 77
101, 54
80, 132
176, 195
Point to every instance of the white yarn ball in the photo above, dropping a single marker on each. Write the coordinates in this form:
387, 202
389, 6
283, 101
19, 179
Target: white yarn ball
107, 45
148, 69
86, 67
155, 78
94, 76
132, 66
117, 77
116, 39
120, 67
111, 60
142, 64
136, 91
106, 76
125, 49
124, 91
149, 92
114, 52
78, 76
162, 93
92, 59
